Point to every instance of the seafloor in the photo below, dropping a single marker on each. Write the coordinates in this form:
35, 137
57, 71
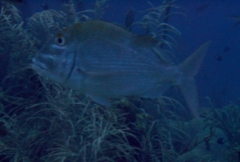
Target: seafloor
44, 122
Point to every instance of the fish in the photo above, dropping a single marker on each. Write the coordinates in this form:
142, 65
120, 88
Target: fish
219, 58
226, 49
105, 61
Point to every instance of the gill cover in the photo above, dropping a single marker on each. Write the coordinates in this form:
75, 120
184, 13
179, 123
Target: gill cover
55, 60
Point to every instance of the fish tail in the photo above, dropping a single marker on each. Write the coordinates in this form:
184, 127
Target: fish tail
186, 83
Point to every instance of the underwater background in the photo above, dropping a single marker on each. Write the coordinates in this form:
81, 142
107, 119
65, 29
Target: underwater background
42, 121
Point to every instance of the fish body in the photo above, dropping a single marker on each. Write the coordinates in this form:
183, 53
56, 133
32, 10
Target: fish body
104, 61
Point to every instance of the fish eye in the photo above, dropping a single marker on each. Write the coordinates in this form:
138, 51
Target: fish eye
60, 40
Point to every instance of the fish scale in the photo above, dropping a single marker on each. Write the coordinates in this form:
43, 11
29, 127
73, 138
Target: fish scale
104, 61
109, 60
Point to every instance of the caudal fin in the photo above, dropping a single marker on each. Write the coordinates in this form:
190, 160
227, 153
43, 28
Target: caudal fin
190, 68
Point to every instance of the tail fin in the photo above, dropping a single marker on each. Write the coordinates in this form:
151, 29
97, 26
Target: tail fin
190, 68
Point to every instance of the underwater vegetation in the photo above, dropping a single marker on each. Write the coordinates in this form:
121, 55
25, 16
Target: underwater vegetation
15, 42
155, 24
44, 122
42, 25
227, 119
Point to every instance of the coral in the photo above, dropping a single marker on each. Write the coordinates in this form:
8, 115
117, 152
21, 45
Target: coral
227, 119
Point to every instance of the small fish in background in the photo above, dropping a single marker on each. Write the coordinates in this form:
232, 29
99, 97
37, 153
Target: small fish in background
226, 49
104, 61
44, 6
14, 2
129, 19
218, 58
203, 7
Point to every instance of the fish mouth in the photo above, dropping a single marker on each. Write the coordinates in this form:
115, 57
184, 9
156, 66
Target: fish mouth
36, 65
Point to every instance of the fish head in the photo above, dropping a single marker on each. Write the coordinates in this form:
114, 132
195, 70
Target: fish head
55, 60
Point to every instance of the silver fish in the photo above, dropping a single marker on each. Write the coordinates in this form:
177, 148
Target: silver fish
103, 61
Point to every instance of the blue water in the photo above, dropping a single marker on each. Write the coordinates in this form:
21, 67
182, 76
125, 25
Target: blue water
202, 21
27, 120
